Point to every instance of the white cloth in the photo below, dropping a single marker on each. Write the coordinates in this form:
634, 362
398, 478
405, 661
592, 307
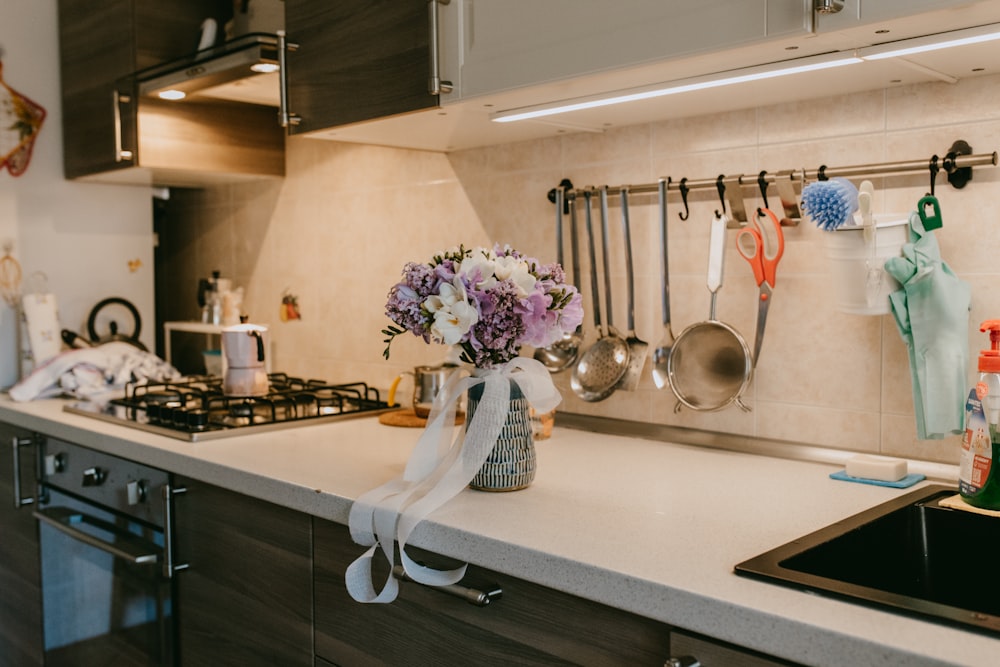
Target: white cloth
95, 373
436, 472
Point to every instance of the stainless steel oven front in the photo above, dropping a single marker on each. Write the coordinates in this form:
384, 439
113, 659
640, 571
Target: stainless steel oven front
104, 533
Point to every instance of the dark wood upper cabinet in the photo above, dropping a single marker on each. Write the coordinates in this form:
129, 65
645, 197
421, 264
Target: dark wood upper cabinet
109, 134
357, 60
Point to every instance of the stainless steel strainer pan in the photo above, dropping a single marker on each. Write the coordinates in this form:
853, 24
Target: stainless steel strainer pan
710, 364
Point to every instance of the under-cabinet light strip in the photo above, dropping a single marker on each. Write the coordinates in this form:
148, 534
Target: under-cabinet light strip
903, 47
783, 68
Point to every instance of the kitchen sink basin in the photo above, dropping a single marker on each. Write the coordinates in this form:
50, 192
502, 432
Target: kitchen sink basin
910, 554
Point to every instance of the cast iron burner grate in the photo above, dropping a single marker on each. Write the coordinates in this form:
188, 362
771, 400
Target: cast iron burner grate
195, 408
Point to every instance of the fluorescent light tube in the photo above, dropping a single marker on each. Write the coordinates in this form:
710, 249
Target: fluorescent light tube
769, 71
945, 40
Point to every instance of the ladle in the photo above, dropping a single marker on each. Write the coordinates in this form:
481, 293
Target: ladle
661, 353
563, 353
600, 368
637, 348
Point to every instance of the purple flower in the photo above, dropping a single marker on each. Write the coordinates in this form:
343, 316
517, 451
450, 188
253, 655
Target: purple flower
518, 301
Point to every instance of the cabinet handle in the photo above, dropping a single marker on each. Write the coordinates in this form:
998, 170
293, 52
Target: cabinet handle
683, 661
169, 567
16, 444
117, 99
285, 117
471, 595
436, 86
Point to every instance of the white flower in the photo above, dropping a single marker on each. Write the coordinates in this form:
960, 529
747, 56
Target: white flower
449, 295
479, 264
453, 314
515, 270
451, 325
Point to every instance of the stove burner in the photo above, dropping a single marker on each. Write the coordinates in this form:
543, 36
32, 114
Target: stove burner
196, 408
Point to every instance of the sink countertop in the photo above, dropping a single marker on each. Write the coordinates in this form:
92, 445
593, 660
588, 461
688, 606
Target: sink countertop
654, 528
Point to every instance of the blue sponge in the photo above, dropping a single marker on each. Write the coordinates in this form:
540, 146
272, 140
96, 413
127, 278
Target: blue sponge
909, 480
830, 203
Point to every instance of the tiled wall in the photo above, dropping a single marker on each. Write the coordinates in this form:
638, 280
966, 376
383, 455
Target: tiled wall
338, 229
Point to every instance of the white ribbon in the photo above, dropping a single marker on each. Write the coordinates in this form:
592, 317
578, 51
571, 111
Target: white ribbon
436, 472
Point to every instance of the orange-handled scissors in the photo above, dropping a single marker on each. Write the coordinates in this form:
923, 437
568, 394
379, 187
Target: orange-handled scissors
762, 245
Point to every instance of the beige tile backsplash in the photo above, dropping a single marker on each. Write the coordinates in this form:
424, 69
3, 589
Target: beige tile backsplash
339, 228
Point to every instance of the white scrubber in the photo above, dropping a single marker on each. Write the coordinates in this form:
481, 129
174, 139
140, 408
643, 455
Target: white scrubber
869, 466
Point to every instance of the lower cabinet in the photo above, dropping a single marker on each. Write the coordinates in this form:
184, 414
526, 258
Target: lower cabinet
528, 625
20, 578
709, 652
246, 596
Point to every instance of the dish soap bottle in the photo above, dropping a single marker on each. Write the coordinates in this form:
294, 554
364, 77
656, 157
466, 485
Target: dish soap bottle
979, 469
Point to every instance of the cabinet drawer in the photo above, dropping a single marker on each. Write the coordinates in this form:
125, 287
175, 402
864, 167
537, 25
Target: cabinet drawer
528, 625
710, 653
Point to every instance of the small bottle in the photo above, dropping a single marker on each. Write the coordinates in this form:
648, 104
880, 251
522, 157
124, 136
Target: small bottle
979, 472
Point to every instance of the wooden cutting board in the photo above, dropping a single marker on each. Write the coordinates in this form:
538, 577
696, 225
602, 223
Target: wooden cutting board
408, 418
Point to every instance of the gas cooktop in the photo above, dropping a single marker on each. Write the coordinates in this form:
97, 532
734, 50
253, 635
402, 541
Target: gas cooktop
195, 408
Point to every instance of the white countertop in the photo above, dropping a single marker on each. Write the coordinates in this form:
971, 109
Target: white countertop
650, 527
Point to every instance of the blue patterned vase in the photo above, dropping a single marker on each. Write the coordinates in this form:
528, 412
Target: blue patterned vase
511, 464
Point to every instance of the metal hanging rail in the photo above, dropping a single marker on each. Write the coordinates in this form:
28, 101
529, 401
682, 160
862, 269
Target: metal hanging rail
802, 175
957, 166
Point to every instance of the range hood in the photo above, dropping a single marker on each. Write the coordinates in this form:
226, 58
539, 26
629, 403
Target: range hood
237, 62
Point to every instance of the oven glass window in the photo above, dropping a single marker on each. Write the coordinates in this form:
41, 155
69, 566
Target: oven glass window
100, 608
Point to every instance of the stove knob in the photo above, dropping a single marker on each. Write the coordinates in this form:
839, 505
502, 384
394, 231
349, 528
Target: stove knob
136, 491
94, 476
197, 419
55, 463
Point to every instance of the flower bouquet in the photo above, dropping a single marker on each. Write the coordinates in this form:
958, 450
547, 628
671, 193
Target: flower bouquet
489, 302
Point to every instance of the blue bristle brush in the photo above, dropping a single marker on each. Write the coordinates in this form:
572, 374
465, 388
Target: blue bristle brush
830, 203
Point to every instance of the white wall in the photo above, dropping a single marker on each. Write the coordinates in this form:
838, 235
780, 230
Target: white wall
80, 235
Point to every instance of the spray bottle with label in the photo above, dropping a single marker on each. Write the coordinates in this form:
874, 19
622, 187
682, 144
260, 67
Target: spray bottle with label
979, 469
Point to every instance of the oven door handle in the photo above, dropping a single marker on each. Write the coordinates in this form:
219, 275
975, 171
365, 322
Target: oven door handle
127, 546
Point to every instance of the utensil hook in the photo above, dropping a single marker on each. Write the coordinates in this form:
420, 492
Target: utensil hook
721, 187
934, 168
762, 184
683, 187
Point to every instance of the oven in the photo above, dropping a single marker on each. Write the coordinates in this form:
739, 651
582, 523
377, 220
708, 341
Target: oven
105, 543
197, 408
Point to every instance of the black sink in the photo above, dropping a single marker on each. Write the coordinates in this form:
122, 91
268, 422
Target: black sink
909, 554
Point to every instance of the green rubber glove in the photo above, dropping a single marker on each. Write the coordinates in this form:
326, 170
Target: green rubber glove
932, 315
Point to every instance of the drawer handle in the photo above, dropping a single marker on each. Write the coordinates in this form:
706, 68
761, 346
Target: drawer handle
683, 661
17, 443
473, 596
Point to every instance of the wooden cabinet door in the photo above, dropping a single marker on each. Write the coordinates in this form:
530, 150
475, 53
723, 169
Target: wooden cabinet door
246, 596
101, 45
357, 60
528, 625
96, 53
20, 577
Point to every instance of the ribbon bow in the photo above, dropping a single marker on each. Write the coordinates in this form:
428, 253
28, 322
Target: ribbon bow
436, 472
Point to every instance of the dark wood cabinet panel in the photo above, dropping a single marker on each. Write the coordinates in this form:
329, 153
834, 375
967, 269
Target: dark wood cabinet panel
20, 577
246, 597
711, 652
529, 625
357, 60
102, 45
